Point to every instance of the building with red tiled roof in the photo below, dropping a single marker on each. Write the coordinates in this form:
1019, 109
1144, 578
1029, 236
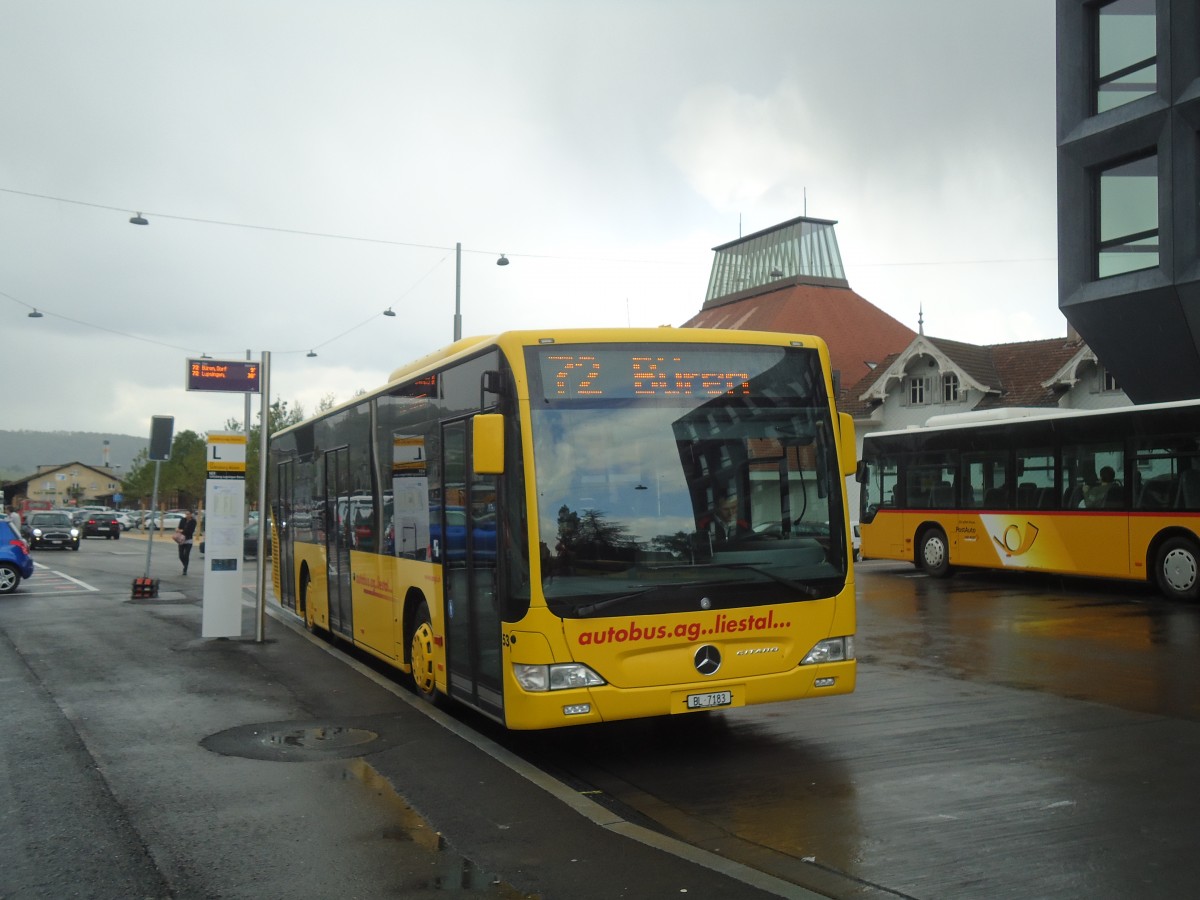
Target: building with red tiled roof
790, 278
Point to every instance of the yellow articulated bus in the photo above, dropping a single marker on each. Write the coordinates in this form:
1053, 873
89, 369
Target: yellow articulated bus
1112, 493
562, 527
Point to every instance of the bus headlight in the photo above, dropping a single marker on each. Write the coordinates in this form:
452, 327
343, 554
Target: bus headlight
555, 677
832, 650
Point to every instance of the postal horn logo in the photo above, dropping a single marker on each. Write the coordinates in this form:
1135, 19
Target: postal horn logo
1015, 540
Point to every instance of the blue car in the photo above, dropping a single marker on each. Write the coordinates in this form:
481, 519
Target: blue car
15, 561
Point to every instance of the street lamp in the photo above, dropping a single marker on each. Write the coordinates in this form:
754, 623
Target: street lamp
458, 292
502, 261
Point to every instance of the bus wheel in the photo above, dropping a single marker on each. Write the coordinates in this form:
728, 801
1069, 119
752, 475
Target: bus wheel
933, 552
1178, 569
304, 580
420, 649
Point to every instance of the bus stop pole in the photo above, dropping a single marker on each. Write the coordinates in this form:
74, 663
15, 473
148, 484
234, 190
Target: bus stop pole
264, 428
153, 511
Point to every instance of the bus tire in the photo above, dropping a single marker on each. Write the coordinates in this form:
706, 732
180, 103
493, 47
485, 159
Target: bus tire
933, 552
303, 580
420, 654
1177, 568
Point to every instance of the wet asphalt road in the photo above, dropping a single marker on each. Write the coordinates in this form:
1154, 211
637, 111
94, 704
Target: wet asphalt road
1010, 737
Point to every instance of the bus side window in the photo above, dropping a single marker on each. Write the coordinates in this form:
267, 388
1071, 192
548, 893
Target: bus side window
1188, 496
941, 496
1027, 493
1114, 498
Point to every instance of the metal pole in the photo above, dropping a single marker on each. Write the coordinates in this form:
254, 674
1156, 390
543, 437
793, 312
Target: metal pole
247, 410
153, 511
457, 292
264, 428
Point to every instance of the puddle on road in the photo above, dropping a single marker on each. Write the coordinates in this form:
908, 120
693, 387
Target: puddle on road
450, 874
322, 737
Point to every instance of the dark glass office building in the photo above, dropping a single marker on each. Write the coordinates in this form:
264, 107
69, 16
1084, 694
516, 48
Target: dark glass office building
1129, 189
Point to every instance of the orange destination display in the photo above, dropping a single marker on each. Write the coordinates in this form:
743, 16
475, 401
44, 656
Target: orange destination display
233, 376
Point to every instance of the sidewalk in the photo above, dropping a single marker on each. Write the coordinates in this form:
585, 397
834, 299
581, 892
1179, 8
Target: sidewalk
141, 760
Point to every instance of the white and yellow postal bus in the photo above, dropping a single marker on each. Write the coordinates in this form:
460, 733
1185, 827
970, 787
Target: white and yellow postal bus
1112, 493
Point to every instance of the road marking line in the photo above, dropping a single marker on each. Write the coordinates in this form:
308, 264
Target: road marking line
82, 584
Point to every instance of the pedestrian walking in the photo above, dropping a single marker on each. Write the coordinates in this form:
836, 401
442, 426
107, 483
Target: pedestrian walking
183, 537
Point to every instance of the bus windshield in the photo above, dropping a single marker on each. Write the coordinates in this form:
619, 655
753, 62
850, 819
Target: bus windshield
680, 476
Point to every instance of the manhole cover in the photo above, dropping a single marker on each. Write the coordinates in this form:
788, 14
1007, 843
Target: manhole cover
296, 741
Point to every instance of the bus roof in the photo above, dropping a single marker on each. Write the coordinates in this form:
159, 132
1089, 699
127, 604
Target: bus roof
465, 347
989, 418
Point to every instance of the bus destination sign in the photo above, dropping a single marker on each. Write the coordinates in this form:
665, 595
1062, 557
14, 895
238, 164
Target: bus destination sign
234, 376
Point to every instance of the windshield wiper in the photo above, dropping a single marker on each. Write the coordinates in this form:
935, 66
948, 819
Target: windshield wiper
798, 586
590, 608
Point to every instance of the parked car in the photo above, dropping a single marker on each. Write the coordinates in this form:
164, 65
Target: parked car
172, 520
164, 521
52, 528
15, 561
126, 521
103, 525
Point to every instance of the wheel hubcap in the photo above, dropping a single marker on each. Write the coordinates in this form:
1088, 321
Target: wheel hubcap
934, 552
1179, 569
422, 658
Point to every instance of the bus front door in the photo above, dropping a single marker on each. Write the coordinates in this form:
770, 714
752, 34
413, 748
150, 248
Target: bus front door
285, 577
469, 574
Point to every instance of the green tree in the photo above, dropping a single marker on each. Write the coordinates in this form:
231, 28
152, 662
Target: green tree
182, 481
180, 478
139, 481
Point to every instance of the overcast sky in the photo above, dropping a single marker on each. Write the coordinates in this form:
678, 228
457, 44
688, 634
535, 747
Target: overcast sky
605, 147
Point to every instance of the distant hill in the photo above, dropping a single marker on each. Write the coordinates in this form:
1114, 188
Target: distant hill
21, 452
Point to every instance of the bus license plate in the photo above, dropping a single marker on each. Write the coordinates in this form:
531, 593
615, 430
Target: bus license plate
706, 701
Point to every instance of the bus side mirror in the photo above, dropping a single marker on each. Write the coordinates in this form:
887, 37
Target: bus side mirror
846, 450
487, 441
